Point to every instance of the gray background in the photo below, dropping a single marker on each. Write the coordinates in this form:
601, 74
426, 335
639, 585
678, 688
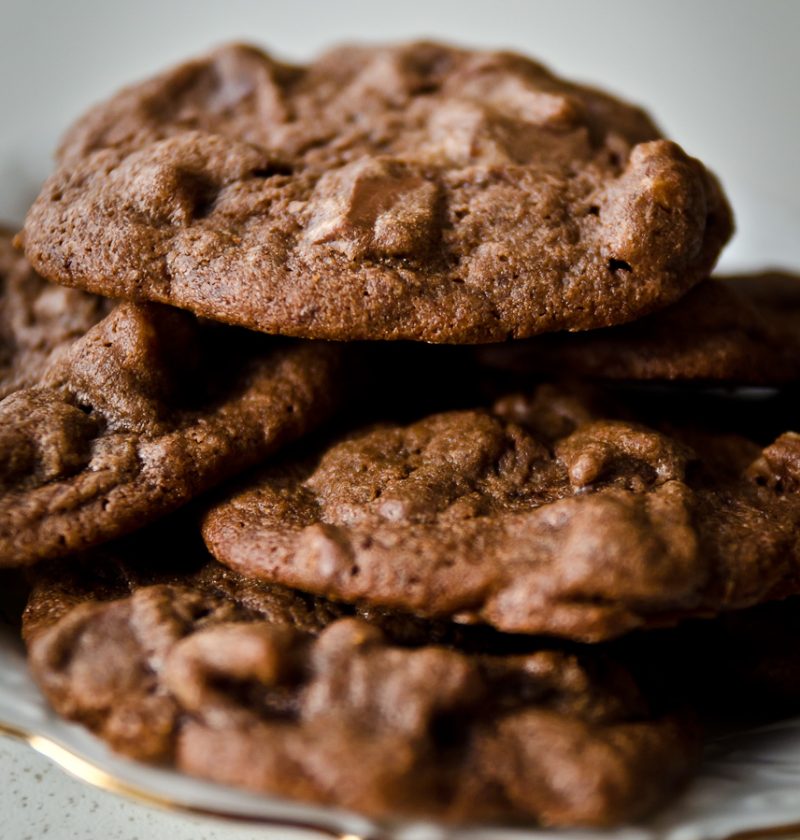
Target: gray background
721, 76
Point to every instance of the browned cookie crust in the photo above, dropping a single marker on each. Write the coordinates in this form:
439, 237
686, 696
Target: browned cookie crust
262, 687
408, 192
144, 412
541, 516
744, 330
37, 318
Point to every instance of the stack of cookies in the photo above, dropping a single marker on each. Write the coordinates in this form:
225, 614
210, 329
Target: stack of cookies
278, 536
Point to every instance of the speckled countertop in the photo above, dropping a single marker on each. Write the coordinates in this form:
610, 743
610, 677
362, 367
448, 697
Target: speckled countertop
40, 802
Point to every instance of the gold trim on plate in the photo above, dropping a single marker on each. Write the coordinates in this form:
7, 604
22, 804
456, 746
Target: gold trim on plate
85, 771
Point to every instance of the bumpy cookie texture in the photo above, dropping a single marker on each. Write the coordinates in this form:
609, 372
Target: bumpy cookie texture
269, 689
411, 192
37, 319
744, 330
144, 412
541, 516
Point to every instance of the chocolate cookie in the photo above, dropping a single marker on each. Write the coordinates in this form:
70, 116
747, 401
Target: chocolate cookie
744, 330
144, 412
411, 192
265, 688
37, 318
540, 516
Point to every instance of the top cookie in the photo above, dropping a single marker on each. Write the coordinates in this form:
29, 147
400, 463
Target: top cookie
414, 192
37, 318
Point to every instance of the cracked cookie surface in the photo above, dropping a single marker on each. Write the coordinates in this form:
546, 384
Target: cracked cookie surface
145, 411
415, 192
266, 688
544, 515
